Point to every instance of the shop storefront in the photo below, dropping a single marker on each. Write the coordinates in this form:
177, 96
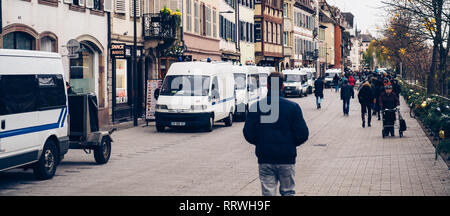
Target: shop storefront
122, 82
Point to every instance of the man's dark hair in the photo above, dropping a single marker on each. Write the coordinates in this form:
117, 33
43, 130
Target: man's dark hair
275, 75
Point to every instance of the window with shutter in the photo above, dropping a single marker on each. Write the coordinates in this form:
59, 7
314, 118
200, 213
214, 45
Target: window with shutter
120, 6
214, 23
196, 21
188, 16
138, 8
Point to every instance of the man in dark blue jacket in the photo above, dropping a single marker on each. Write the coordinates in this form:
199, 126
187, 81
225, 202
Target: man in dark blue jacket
276, 143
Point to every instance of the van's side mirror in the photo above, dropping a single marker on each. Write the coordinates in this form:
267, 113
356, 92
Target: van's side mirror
156, 93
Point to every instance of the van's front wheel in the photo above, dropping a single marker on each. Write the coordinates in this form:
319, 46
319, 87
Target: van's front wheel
210, 125
45, 168
160, 127
229, 120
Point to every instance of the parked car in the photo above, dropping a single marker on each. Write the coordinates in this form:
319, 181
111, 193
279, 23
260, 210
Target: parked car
196, 94
33, 111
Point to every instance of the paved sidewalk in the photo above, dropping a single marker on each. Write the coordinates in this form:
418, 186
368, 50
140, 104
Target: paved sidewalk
340, 158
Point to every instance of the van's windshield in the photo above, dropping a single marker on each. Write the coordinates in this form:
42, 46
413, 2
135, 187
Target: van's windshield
290, 78
186, 85
240, 79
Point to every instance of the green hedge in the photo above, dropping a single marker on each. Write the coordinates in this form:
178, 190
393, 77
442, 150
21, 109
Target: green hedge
433, 111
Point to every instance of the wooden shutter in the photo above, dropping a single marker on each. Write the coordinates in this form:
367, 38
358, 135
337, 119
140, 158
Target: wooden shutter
89, 3
107, 5
120, 6
138, 8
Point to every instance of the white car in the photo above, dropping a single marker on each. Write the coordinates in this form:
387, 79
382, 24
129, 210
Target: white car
196, 94
33, 111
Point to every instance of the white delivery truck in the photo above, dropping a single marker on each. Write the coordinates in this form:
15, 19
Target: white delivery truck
33, 111
246, 86
329, 75
196, 94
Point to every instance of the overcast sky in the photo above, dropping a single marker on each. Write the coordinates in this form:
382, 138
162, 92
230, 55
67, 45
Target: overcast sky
368, 13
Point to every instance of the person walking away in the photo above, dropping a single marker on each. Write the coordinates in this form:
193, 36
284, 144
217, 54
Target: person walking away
389, 100
347, 93
319, 85
365, 99
376, 92
276, 142
396, 88
336, 82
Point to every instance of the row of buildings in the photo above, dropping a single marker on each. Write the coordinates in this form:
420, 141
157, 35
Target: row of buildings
280, 33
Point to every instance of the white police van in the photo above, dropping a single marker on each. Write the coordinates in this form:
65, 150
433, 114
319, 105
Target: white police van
246, 86
295, 83
196, 94
33, 111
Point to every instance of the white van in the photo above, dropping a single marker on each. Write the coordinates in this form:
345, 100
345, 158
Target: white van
263, 75
329, 75
295, 83
196, 94
311, 73
33, 111
246, 85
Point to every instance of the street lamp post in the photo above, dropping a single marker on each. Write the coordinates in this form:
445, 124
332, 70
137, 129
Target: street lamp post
134, 71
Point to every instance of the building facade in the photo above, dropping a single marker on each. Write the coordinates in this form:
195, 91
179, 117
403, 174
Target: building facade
228, 30
121, 86
288, 34
304, 30
246, 31
85, 21
268, 32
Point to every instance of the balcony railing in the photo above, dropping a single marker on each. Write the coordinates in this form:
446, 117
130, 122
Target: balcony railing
159, 27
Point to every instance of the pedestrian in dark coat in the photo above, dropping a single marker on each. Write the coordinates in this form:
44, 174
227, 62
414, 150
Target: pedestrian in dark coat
366, 99
276, 143
336, 82
396, 87
319, 85
377, 89
347, 93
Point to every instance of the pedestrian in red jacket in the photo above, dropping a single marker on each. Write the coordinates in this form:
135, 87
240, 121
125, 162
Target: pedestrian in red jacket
351, 81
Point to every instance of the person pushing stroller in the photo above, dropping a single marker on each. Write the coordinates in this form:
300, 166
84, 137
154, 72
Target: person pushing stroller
388, 101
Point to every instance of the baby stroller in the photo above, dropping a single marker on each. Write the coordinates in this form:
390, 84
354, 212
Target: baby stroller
389, 122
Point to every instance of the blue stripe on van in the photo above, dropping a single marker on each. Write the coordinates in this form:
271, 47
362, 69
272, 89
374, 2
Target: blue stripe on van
33, 129
223, 101
64, 117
